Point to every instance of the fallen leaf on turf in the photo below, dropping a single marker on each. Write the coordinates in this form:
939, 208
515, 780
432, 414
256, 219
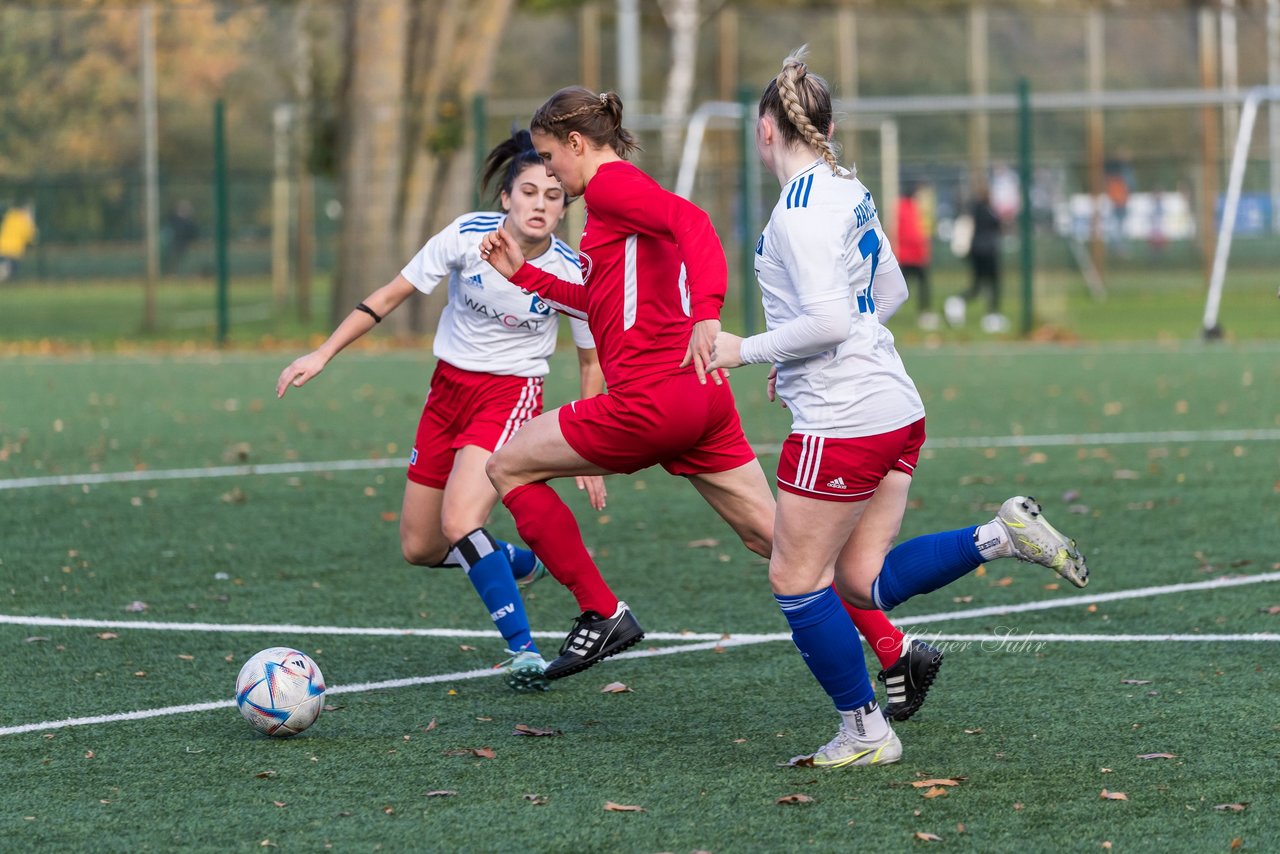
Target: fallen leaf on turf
267, 843
136, 607
612, 807
264, 775
482, 752
805, 761
615, 688
962, 600
1113, 796
1157, 756
1237, 843
941, 781
186, 657
483, 718
36, 639
537, 800
1004, 582
1274, 609
1017, 806
141, 674
796, 798
935, 792
331, 709
279, 803
975, 731
525, 729
107, 636
466, 647
389, 516
430, 726
389, 810
89, 754
707, 543
1232, 807
1135, 681
1106, 845
439, 793
926, 837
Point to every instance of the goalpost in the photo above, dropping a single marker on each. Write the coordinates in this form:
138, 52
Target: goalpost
884, 111
1231, 204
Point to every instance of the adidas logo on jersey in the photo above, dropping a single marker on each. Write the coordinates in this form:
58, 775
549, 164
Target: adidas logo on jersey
838, 483
475, 281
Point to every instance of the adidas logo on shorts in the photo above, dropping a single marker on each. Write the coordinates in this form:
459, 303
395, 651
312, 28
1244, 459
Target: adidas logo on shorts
838, 483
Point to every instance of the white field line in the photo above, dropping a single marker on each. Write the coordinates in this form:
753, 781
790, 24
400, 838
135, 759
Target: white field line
1029, 441
920, 619
1001, 642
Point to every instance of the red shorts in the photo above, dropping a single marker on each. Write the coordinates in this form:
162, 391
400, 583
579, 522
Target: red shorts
847, 469
675, 422
467, 408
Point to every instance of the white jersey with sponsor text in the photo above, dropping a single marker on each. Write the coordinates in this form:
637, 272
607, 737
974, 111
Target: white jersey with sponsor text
824, 242
489, 325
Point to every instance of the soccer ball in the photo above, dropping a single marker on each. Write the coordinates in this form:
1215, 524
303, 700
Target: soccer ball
280, 691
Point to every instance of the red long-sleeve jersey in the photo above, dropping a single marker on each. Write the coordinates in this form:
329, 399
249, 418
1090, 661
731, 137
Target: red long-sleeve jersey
652, 266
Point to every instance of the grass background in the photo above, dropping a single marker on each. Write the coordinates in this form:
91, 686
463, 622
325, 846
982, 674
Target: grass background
698, 740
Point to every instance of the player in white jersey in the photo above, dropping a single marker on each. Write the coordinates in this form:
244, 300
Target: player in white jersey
491, 347
828, 277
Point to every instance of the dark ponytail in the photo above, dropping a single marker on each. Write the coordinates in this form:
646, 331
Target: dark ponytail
509, 157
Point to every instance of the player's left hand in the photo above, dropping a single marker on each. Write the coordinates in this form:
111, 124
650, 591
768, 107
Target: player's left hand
702, 344
595, 488
502, 252
726, 352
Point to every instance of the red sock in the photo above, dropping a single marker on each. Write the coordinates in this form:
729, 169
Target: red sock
884, 637
547, 526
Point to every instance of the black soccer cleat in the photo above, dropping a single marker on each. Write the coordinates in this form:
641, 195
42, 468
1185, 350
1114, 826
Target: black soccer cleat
907, 682
594, 638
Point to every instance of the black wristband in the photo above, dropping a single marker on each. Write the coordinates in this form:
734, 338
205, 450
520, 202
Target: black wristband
369, 311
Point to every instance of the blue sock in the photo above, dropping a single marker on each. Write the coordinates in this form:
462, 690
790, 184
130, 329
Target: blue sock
521, 559
923, 564
830, 645
489, 570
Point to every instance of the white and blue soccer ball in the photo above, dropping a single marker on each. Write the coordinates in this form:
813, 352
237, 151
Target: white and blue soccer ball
280, 691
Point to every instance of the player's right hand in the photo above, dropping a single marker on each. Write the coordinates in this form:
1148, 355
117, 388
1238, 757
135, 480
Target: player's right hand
300, 370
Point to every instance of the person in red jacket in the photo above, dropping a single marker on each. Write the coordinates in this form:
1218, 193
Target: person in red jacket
913, 248
653, 281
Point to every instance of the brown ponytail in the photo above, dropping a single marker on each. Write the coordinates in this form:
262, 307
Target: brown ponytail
597, 117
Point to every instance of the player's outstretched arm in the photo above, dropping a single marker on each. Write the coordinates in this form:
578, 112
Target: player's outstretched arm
376, 306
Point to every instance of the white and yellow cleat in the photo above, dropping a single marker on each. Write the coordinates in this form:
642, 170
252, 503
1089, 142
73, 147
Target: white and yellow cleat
1036, 541
847, 750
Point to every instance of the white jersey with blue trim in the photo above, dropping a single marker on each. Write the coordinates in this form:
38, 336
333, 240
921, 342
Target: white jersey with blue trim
489, 325
824, 242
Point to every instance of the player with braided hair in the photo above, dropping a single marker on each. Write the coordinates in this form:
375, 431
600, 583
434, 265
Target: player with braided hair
655, 278
829, 279
491, 347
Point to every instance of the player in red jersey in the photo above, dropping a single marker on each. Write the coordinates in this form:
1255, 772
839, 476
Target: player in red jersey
491, 348
654, 278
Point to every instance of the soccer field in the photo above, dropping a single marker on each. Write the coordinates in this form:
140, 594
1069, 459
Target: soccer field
165, 518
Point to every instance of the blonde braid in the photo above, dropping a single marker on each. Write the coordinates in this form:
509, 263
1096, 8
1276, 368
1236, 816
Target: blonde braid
793, 71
